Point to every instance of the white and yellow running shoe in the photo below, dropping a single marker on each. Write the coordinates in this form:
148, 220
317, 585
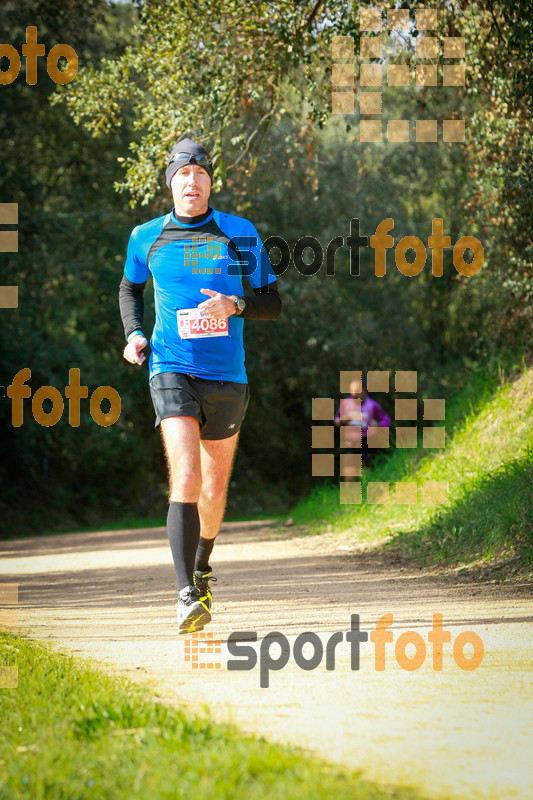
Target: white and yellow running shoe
193, 612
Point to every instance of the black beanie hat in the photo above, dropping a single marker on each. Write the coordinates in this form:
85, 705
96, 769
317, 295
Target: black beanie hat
192, 149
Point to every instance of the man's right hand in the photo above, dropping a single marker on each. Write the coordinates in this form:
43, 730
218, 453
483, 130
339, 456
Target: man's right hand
132, 351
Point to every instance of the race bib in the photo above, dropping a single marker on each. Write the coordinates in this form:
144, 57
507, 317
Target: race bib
194, 324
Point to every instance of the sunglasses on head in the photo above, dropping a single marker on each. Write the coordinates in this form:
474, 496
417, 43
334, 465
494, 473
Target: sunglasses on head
202, 160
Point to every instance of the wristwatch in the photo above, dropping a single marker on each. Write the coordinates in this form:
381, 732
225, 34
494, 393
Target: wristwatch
240, 304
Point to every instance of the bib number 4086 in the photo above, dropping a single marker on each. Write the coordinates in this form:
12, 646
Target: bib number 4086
204, 325
194, 324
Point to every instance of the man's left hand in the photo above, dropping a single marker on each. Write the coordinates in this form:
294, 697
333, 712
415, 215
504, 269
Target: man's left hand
218, 305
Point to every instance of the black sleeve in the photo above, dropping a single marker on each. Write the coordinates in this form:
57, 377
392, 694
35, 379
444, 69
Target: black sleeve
131, 302
265, 305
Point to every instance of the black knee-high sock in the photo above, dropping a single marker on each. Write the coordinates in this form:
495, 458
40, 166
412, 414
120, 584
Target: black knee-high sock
205, 548
183, 527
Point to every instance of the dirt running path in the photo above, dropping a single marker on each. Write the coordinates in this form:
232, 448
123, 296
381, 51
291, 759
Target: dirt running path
110, 595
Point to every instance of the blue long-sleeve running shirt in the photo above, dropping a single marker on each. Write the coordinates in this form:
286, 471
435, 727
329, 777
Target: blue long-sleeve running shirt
215, 253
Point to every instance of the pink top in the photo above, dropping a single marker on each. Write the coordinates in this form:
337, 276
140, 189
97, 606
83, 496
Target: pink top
365, 413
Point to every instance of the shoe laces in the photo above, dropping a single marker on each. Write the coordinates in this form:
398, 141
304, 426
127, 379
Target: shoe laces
203, 580
189, 595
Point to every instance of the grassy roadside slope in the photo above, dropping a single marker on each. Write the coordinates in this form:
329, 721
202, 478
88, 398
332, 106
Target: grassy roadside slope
70, 732
487, 466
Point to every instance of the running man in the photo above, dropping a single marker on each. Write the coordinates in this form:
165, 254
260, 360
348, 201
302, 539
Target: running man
197, 257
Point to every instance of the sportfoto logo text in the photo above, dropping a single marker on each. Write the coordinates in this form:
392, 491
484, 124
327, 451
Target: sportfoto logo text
74, 392
380, 242
32, 50
274, 651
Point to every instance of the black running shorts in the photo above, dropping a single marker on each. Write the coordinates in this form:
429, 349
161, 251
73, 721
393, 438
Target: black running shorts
219, 406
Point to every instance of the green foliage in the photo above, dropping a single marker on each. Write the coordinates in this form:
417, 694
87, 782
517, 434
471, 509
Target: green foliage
210, 68
499, 39
72, 236
251, 80
174, 80
69, 731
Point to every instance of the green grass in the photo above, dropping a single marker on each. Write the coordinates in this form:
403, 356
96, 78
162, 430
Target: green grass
70, 732
487, 465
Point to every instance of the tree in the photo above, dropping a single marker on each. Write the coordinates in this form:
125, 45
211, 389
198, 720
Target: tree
213, 68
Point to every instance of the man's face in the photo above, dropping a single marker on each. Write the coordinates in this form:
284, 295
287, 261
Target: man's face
356, 390
191, 187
